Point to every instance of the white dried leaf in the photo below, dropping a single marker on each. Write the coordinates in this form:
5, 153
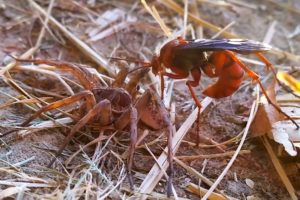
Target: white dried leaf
297, 144
44, 125
250, 183
291, 111
285, 133
110, 16
253, 198
289, 128
107, 18
8, 192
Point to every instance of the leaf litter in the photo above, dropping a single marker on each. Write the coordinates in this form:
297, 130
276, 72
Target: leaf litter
90, 178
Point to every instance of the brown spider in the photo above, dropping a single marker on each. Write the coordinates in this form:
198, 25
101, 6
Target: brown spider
109, 106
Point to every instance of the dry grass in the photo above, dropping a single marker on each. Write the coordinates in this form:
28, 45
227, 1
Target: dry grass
102, 174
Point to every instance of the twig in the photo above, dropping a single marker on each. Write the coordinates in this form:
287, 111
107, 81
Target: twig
185, 17
158, 19
40, 91
224, 29
279, 169
195, 11
177, 8
244, 4
218, 3
95, 141
195, 173
193, 188
26, 184
23, 162
164, 172
217, 155
270, 33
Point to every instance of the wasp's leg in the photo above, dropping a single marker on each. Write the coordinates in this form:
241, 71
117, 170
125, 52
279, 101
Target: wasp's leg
196, 74
270, 66
178, 74
255, 77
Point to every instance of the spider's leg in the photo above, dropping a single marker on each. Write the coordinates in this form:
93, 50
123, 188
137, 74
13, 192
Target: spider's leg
87, 95
103, 106
86, 78
133, 140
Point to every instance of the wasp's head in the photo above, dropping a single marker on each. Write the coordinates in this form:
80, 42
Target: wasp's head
166, 55
156, 65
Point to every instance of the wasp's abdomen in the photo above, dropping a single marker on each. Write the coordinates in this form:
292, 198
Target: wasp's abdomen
230, 77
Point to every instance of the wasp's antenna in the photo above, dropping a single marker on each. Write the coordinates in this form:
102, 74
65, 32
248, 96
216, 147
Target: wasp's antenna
20, 59
138, 68
146, 64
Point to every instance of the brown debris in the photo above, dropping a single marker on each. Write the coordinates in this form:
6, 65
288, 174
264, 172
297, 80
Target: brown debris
94, 164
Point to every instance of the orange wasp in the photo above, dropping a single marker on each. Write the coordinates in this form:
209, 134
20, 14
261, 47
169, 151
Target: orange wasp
188, 57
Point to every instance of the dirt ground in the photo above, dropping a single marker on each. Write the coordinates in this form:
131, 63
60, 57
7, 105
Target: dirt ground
222, 120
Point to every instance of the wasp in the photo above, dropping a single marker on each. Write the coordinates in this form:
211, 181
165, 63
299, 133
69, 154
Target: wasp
189, 57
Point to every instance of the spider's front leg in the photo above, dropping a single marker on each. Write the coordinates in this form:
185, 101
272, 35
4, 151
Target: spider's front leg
86, 79
103, 107
87, 95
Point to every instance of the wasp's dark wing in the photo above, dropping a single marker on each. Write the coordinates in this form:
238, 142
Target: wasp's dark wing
238, 45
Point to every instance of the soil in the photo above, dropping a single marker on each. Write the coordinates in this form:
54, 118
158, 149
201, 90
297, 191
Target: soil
224, 119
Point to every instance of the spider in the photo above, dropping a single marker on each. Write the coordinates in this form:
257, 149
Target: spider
108, 106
